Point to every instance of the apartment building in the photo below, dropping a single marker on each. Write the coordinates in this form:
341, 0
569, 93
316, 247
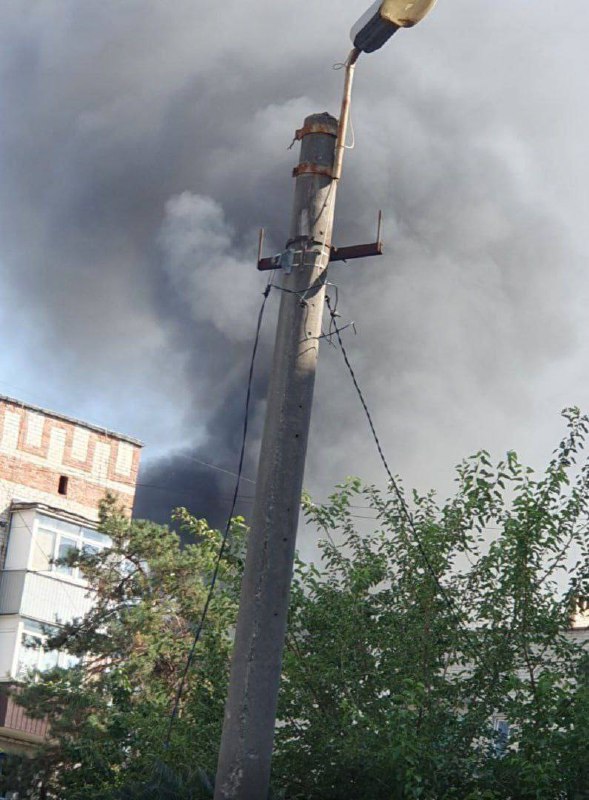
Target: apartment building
54, 471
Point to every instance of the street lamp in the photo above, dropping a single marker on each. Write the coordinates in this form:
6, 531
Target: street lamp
374, 28
384, 18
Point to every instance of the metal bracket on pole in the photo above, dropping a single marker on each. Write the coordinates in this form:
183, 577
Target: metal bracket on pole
312, 169
291, 258
360, 250
314, 127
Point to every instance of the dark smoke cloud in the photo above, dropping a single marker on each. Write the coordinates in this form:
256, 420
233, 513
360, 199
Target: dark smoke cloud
142, 144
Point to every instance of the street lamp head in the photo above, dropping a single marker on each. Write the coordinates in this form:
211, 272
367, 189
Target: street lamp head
384, 18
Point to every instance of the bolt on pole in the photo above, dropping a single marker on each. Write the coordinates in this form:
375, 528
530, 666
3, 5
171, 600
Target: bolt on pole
250, 714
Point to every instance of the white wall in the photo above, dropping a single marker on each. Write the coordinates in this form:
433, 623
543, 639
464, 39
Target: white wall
20, 539
53, 600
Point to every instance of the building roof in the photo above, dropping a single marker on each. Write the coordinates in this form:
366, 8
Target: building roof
55, 415
52, 511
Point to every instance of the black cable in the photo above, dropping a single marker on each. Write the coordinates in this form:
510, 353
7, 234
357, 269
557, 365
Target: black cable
409, 517
476, 654
199, 630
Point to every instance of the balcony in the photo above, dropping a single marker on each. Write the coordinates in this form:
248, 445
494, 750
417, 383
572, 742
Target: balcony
14, 723
41, 597
12, 584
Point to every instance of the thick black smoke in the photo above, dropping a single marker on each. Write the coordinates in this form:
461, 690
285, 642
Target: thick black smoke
185, 479
143, 143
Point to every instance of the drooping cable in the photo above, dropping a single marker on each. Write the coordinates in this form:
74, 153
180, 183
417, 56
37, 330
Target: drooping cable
198, 633
399, 494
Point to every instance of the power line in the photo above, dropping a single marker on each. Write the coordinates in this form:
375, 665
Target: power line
395, 486
183, 490
174, 714
215, 467
243, 498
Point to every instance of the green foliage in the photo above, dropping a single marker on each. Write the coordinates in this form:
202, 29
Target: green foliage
109, 717
414, 635
404, 645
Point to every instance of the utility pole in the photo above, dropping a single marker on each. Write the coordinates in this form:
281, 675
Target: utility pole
250, 715
243, 771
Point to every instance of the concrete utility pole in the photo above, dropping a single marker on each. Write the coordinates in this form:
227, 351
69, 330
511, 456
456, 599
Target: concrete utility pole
250, 715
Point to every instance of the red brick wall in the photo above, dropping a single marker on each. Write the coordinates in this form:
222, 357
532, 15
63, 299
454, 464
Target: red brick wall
37, 465
45, 479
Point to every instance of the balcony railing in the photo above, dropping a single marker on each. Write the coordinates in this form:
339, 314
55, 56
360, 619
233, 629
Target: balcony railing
13, 720
12, 584
42, 597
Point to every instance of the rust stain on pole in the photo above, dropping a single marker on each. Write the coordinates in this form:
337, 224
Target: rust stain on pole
312, 169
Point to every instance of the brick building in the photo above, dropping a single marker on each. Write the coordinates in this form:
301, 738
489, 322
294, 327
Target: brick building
54, 470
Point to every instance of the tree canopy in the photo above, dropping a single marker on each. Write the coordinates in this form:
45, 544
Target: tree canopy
428, 653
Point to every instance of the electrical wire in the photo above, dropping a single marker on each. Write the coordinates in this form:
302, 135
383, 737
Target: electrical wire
190, 659
212, 466
244, 498
395, 486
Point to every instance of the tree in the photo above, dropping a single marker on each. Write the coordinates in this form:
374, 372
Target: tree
109, 715
416, 633
408, 641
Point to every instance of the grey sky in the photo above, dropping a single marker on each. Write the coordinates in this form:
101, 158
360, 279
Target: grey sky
144, 142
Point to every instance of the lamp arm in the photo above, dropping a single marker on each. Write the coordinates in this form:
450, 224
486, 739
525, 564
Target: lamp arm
344, 119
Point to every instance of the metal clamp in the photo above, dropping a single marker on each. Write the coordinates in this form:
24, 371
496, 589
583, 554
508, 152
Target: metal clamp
315, 127
289, 259
305, 168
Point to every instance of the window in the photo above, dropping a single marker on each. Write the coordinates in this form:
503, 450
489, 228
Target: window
502, 730
43, 550
29, 654
33, 654
65, 547
62, 487
55, 539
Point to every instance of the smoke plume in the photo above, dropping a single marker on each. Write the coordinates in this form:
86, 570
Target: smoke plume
144, 143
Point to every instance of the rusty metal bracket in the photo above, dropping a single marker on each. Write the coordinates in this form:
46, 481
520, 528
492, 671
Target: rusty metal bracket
315, 127
305, 168
360, 250
356, 251
282, 260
